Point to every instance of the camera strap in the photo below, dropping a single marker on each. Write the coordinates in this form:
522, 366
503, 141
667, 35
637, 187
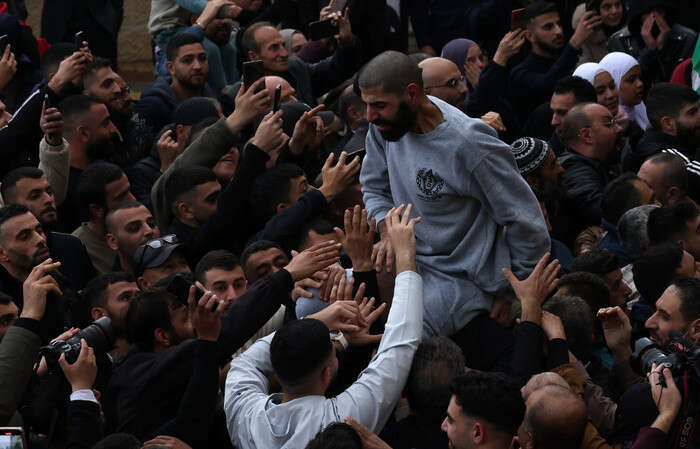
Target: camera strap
688, 418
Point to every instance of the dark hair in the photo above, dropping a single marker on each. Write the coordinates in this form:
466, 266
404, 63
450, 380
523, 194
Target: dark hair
98, 63
298, 349
248, 42
575, 120
583, 91
118, 441
148, 311
180, 40
94, 292
549, 433
391, 71
76, 105
597, 261
53, 56
92, 183
9, 182
654, 270
588, 286
538, 8
619, 196
183, 180
669, 223
436, 362
689, 289
675, 172
337, 435
492, 397
666, 100
579, 326
11, 211
346, 100
319, 225
219, 258
198, 128
272, 188
256, 247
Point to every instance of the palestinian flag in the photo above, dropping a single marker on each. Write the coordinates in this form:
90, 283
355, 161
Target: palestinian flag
695, 74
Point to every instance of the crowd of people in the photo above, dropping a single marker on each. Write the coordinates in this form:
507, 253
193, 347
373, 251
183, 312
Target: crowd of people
302, 235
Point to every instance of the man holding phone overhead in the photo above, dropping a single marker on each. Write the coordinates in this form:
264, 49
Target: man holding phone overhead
261, 41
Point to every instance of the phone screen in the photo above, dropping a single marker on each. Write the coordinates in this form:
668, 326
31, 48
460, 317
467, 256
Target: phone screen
278, 98
253, 71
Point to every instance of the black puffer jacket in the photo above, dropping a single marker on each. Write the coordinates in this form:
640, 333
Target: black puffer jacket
656, 65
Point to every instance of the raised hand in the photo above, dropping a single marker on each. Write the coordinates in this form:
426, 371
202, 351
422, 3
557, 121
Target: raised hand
335, 273
211, 11
249, 105
401, 232
168, 149
80, 374
358, 238
587, 25
71, 69
8, 66
493, 119
472, 72
51, 124
533, 291
269, 136
617, 331
340, 316
369, 439
206, 313
35, 288
552, 326
345, 36
313, 259
509, 46
338, 177
664, 31
308, 132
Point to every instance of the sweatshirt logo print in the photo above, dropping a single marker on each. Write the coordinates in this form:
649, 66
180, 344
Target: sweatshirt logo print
430, 184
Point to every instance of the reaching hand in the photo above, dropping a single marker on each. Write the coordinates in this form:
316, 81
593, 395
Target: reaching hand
509, 46
367, 316
664, 31
617, 331
249, 105
308, 132
81, 374
206, 313
167, 441
339, 177
358, 238
493, 119
301, 288
369, 439
587, 25
666, 397
552, 326
35, 288
500, 310
211, 11
335, 273
313, 259
345, 36
51, 124
269, 136
533, 291
168, 149
341, 316
8, 66
70, 69
472, 72
401, 232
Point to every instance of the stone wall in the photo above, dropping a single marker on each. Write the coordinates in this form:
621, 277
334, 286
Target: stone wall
134, 41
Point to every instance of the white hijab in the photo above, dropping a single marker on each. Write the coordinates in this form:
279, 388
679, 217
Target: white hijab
589, 71
618, 64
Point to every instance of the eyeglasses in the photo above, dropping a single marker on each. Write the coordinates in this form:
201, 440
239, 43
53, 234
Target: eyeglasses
169, 239
451, 83
611, 123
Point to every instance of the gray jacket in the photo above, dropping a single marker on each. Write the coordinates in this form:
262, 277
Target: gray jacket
18, 351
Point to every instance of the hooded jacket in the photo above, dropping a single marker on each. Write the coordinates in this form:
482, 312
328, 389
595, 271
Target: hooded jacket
656, 65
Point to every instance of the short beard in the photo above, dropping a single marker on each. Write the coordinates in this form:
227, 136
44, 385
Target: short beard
687, 137
101, 150
405, 118
555, 51
185, 82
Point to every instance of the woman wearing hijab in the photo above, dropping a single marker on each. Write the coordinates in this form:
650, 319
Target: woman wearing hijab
613, 16
626, 73
294, 41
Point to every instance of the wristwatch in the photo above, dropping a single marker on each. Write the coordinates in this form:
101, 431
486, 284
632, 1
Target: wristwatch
340, 338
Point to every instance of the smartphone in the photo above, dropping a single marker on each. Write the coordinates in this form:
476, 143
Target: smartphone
47, 102
180, 288
591, 5
517, 19
80, 37
278, 99
12, 438
323, 28
337, 5
253, 71
4, 41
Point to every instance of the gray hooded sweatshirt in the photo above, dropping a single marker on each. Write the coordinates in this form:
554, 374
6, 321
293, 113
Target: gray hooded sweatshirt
256, 419
479, 214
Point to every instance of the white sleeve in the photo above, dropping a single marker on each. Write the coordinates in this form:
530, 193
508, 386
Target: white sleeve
374, 178
54, 161
373, 396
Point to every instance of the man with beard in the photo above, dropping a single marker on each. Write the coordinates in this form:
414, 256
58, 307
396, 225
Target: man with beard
674, 115
421, 150
129, 225
29, 187
188, 68
22, 247
89, 130
105, 85
552, 58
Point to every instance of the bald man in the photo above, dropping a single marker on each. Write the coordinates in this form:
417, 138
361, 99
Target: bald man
555, 417
288, 93
442, 79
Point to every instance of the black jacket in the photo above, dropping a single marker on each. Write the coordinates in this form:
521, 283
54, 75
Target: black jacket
656, 66
84, 425
142, 175
75, 261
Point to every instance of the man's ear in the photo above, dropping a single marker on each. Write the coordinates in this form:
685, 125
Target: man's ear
3, 254
413, 93
529, 35
694, 330
673, 194
668, 125
161, 337
97, 312
111, 241
143, 283
252, 56
82, 132
682, 244
586, 135
169, 66
184, 211
280, 207
478, 433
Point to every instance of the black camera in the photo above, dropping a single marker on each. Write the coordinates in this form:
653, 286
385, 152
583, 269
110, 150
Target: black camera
98, 335
683, 354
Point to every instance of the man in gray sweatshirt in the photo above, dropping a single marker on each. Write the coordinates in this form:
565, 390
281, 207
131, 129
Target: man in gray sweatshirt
479, 215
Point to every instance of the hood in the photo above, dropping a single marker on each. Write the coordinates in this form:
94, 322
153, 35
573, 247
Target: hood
639, 7
161, 88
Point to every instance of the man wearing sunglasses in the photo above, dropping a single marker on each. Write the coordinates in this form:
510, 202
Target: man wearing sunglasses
590, 134
157, 259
